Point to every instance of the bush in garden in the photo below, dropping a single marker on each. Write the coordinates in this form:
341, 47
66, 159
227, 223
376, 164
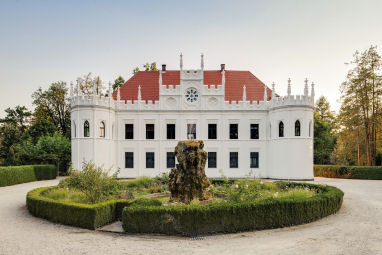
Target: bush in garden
95, 182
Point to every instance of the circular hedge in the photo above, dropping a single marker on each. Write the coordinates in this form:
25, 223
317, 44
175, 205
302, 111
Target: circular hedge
233, 217
90, 216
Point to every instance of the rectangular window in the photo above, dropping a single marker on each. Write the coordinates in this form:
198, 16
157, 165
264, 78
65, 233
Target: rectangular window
254, 131
233, 131
150, 161
212, 131
170, 159
233, 159
211, 159
149, 131
254, 160
170, 131
129, 159
129, 131
191, 131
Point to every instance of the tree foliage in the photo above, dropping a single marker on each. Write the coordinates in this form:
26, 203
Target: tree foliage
324, 134
53, 105
147, 67
360, 114
118, 83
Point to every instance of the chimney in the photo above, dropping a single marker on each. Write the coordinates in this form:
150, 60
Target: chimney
222, 67
163, 68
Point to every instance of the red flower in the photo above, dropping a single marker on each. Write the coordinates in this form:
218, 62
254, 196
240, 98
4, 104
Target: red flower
107, 199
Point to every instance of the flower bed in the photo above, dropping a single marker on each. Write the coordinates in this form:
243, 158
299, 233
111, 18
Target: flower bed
230, 216
12, 175
349, 172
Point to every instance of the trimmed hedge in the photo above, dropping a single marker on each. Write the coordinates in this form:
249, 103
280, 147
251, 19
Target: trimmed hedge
192, 220
74, 214
350, 172
12, 175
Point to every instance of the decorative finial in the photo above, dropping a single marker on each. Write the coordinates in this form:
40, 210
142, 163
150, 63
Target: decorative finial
265, 93
312, 91
110, 89
78, 87
306, 90
289, 87
71, 89
181, 61
119, 94
244, 93
273, 90
139, 93
202, 61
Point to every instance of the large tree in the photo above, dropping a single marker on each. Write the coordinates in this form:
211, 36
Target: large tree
53, 105
361, 105
12, 126
324, 134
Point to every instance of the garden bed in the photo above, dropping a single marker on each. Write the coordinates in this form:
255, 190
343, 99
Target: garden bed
227, 217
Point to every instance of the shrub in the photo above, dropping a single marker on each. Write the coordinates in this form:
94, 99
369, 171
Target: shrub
89, 216
12, 175
351, 172
93, 181
233, 217
141, 182
147, 202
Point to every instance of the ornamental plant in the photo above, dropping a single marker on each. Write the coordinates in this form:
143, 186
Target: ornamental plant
94, 181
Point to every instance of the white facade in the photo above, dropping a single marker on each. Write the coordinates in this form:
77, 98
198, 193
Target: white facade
287, 157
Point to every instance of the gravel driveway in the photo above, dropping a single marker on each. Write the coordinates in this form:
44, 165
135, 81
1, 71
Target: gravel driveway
355, 229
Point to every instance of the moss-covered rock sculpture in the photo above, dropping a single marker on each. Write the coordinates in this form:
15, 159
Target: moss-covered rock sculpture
188, 180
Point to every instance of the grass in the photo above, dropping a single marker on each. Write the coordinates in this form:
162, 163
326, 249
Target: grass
236, 191
66, 195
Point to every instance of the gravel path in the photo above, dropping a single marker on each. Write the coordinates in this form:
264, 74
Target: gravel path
355, 229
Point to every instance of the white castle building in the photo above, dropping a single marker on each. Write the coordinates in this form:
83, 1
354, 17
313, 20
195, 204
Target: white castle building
246, 127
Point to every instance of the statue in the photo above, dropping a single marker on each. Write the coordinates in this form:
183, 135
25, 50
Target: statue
188, 180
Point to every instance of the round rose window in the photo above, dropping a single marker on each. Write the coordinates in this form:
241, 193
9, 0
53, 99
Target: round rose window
192, 95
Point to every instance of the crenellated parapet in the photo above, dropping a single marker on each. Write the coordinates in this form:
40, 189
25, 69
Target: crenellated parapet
191, 74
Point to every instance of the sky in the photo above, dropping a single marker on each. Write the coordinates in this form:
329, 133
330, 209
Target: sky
42, 42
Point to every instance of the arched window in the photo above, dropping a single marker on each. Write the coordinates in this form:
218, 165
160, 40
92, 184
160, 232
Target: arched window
297, 128
86, 129
102, 129
310, 128
74, 129
281, 129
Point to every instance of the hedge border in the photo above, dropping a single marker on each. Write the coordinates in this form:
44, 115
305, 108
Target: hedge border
192, 220
90, 216
12, 175
349, 172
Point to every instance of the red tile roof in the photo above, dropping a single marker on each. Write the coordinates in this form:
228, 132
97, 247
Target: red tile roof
234, 81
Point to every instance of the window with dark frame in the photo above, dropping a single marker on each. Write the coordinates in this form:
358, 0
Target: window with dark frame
150, 161
254, 131
170, 159
233, 131
233, 159
129, 159
171, 131
191, 131
281, 129
129, 131
212, 134
212, 159
297, 128
86, 129
149, 131
254, 160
